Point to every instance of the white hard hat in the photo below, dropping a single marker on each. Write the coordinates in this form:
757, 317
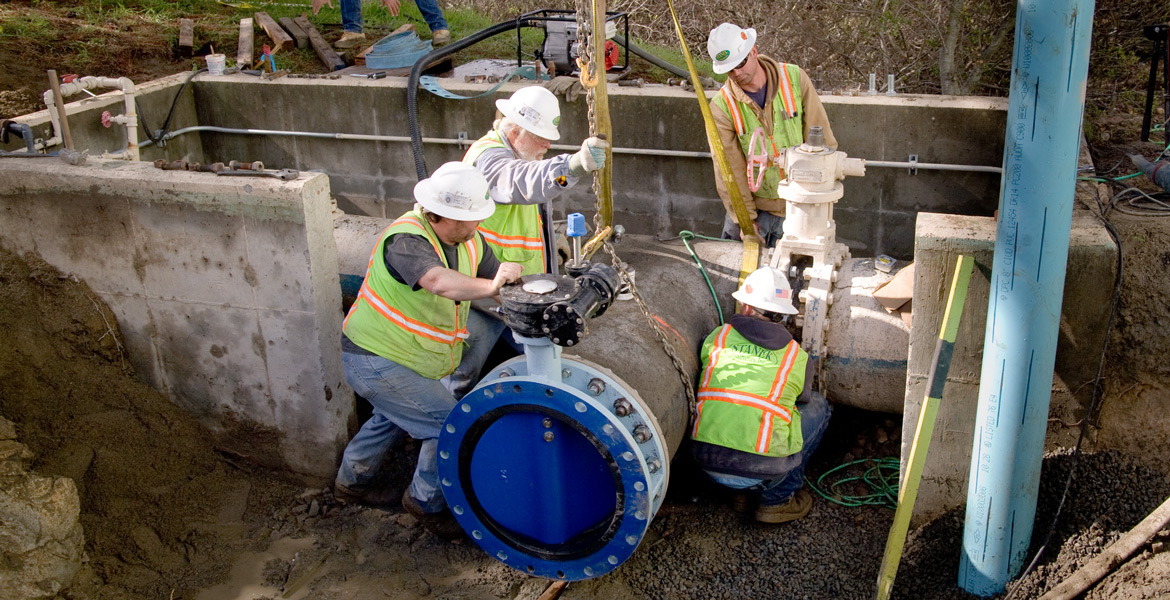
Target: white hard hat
728, 45
767, 289
535, 109
457, 191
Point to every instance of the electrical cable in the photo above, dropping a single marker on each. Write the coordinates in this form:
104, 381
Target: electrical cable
686, 235
881, 477
170, 113
1094, 403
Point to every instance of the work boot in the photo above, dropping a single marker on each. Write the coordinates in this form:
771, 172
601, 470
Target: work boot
442, 523
440, 37
350, 39
365, 496
796, 507
744, 503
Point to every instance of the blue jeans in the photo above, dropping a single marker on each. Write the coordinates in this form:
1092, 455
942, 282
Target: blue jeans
771, 228
483, 331
814, 419
406, 403
351, 14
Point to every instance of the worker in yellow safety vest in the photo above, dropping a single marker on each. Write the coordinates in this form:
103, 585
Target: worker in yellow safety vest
759, 92
522, 181
407, 330
758, 419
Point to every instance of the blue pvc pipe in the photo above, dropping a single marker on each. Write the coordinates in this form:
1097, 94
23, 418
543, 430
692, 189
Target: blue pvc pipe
1049, 72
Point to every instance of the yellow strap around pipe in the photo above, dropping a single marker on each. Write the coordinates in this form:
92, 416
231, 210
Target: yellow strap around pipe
751, 250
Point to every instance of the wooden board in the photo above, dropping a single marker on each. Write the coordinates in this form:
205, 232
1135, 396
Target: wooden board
295, 30
324, 51
244, 49
186, 37
280, 39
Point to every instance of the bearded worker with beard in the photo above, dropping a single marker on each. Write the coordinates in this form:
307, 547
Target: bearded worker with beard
759, 93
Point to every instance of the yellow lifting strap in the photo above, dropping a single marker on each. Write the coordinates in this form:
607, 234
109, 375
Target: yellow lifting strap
600, 125
751, 250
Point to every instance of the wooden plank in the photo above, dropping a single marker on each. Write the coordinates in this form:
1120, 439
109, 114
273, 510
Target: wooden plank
324, 51
295, 30
280, 39
244, 50
554, 589
186, 37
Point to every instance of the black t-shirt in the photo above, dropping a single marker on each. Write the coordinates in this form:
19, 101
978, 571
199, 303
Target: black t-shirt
409, 256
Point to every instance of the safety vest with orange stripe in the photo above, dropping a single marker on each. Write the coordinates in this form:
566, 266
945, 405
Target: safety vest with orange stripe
787, 123
747, 395
515, 231
414, 328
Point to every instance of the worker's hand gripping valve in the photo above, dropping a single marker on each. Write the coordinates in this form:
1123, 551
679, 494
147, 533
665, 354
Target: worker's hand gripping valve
591, 157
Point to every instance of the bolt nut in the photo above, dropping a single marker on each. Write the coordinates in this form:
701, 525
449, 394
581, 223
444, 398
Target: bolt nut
547, 422
507, 373
566, 373
622, 407
548, 436
596, 387
642, 434
653, 465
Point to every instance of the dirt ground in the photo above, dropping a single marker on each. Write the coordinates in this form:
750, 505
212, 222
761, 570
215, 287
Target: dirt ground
166, 515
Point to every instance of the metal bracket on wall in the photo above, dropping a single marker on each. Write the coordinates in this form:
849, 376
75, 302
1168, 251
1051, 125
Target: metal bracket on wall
913, 164
462, 137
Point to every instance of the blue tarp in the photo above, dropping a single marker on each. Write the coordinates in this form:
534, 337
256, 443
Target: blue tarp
397, 51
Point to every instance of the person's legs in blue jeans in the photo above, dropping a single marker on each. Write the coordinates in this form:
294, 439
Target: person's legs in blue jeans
771, 228
351, 15
814, 419
483, 331
432, 14
403, 401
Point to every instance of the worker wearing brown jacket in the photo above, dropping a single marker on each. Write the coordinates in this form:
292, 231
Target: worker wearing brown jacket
759, 93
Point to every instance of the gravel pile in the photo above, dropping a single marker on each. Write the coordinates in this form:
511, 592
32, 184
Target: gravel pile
707, 551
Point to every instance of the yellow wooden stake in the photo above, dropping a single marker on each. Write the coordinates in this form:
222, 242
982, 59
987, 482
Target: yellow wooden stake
908, 491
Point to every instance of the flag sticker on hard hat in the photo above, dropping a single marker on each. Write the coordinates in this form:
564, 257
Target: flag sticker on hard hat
783, 293
723, 54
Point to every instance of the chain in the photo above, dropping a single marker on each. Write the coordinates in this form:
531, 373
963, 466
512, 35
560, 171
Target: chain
667, 345
585, 51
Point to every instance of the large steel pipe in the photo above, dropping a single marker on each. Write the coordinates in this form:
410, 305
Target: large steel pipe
557, 462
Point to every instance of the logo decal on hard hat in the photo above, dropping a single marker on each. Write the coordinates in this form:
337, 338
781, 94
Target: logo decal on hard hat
743, 34
455, 200
747, 288
723, 54
529, 113
556, 121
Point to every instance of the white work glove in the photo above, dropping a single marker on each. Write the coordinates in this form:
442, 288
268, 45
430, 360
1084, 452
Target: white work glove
591, 157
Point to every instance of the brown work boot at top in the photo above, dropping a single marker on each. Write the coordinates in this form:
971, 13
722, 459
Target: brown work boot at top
440, 37
368, 497
350, 39
796, 507
442, 524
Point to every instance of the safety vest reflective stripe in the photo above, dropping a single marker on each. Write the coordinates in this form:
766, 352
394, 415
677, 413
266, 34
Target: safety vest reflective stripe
764, 438
393, 315
719, 343
511, 241
733, 106
786, 92
744, 399
416, 327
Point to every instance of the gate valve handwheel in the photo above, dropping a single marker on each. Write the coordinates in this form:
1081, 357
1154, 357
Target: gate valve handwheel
106, 119
760, 161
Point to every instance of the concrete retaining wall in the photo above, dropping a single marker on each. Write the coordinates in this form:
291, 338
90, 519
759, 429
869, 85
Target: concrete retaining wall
939, 239
225, 289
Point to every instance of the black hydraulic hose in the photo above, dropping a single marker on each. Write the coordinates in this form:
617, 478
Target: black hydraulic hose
662, 64
432, 57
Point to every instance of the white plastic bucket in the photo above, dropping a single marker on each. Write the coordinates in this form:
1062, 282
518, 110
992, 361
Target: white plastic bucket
215, 63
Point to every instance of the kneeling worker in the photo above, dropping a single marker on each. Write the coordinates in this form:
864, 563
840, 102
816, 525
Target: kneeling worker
407, 329
758, 420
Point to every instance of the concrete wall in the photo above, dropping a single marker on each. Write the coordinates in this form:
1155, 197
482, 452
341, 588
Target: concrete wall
652, 194
938, 240
225, 289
